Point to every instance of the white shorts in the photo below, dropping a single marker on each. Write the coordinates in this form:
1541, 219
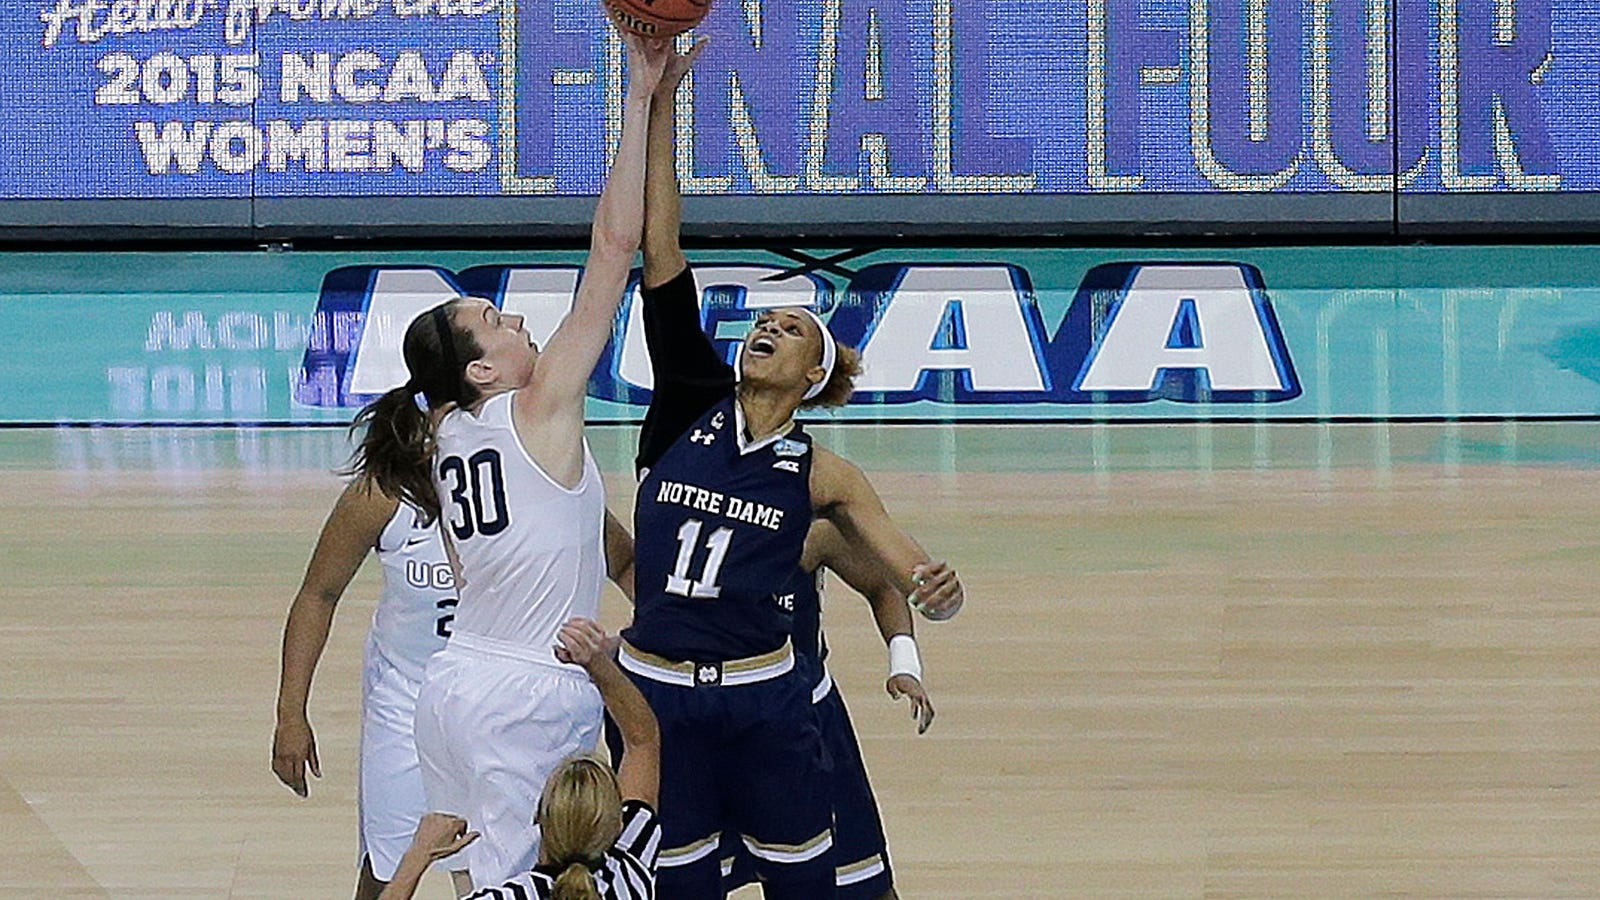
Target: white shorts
390, 795
490, 730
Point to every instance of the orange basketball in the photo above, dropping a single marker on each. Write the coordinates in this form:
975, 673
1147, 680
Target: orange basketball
657, 18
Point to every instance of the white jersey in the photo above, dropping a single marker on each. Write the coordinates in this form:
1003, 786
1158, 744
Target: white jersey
419, 594
532, 552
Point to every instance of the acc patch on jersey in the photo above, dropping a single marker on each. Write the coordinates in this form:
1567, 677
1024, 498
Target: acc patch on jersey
788, 447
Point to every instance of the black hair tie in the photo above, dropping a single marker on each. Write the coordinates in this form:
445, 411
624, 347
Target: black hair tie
447, 342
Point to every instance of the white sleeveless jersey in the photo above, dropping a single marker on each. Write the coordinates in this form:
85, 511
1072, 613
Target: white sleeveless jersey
419, 594
532, 552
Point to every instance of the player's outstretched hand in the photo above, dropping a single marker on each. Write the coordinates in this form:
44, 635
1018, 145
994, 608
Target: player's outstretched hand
294, 749
939, 594
678, 65
440, 835
647, 62
582, 642
921, 707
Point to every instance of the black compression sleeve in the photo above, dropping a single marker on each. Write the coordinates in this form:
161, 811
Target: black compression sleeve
690, 376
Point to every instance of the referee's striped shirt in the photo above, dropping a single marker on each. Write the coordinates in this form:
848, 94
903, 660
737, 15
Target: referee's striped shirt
629, 871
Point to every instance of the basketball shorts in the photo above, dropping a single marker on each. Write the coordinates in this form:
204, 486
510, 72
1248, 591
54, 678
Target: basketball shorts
491, 727
860, 851
745, 758
389, 793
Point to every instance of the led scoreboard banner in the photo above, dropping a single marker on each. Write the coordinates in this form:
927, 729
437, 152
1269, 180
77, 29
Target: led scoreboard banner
331, 114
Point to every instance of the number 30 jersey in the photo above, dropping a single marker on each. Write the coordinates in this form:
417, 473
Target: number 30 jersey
532, 552
718, 531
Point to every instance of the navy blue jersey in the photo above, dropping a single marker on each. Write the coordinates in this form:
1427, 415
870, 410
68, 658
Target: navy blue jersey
806, 590
718, 531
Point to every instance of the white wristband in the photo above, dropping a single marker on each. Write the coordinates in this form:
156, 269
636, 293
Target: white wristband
903, 657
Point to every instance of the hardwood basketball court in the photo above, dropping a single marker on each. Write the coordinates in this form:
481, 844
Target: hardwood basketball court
1229, 661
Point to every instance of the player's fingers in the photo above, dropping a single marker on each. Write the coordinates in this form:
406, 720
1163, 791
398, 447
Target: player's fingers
947, 593
694, 51
316, 764
927, 716
939, 576
581, 631
296, 779
288, 772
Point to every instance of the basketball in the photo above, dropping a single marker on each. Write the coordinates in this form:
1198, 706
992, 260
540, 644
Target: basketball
657, 18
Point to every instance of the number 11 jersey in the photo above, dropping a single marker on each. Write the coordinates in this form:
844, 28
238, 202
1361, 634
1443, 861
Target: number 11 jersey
719, 527
532, 552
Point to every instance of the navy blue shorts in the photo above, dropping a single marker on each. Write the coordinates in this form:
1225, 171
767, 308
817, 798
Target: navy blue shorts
860, 851
748, 760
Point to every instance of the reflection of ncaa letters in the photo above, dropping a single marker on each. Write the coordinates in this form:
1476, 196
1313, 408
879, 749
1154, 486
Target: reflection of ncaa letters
949, 333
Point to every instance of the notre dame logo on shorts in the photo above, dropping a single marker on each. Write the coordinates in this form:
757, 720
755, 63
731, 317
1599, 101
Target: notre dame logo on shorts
708, 674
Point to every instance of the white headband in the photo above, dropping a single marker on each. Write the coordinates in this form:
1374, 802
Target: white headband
830, 355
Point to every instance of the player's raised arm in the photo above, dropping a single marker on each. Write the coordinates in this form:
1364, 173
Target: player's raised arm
351, 530
550, 413
663, 202
689, 374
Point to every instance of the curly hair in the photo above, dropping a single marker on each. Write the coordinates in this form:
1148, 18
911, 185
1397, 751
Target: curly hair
841, 383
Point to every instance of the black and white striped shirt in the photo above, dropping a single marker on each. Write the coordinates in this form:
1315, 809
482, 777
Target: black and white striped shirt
629, 871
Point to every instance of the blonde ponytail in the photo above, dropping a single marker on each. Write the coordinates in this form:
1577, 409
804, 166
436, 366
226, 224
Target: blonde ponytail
576, 882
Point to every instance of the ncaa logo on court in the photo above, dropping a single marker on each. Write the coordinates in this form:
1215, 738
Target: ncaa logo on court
1186, 332
954, 334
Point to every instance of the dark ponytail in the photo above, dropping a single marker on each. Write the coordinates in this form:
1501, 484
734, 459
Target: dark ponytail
396, 448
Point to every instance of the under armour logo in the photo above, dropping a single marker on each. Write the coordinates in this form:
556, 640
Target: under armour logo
788, 465
702, 437
708, 674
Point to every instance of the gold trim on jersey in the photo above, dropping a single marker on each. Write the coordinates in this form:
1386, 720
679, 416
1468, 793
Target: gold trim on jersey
688, 853
707, 674
790, 853
859, 871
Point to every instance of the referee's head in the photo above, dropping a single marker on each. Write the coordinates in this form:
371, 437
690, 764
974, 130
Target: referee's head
580, 817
